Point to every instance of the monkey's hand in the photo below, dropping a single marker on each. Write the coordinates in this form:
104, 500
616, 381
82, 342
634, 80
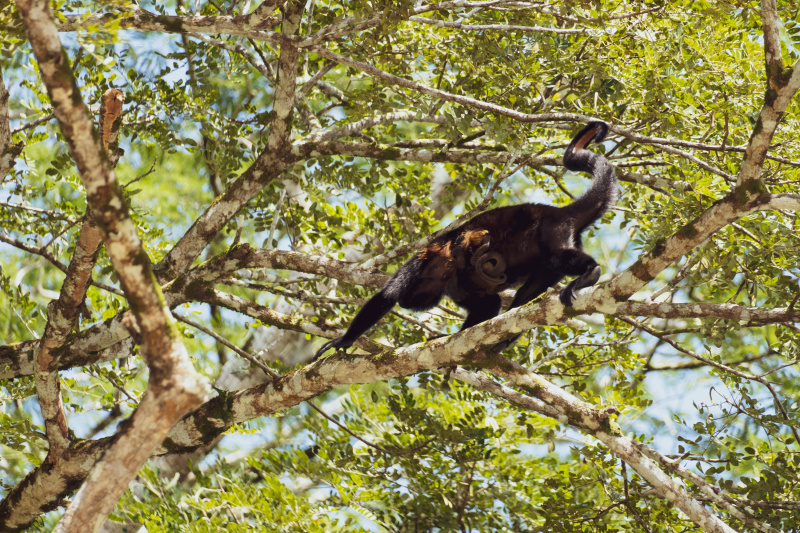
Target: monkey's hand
587, 279
567, 296
335, 343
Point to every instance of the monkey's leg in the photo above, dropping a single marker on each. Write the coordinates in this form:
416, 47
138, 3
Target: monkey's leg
368, 316
573, 262
480, 309
541, 279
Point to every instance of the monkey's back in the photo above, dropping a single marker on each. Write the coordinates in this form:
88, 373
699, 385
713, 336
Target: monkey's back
511, 232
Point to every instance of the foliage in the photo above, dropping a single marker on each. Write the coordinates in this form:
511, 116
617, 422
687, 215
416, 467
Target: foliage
427, 453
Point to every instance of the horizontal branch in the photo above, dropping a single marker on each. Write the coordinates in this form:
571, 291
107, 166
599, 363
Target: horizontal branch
473, 156
101, 342
745, 316
505, 27
253, 25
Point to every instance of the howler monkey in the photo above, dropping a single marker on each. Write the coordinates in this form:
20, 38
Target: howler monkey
531, 245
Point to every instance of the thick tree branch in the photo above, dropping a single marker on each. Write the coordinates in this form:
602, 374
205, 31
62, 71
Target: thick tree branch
45, 488
174, 387
63, 314
62, 317
782, 84
647, 267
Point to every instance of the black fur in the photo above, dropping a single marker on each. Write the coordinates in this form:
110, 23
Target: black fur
531, 245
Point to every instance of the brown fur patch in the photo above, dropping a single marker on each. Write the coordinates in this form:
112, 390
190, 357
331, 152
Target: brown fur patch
586, 139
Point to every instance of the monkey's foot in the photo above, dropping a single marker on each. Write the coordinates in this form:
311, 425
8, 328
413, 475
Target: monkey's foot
338, 343
567, 296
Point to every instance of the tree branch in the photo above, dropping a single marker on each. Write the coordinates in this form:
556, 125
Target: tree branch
174, 387
626, 448
782, 84
271, 163
253, 25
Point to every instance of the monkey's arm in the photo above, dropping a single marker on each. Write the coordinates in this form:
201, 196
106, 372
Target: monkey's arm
368, 316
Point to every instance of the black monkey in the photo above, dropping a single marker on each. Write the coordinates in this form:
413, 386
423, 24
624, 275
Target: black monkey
533, 245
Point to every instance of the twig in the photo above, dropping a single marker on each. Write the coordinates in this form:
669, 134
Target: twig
276, 214
230, 345
346, 429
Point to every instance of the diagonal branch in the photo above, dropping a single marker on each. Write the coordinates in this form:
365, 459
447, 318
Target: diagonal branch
63, 314
631, 451
782, 84
648, 266
271, 163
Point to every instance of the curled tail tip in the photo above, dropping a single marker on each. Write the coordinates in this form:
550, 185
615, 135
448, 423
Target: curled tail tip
600, 128
594, 131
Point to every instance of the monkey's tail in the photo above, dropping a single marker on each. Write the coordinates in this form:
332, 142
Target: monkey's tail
603, 193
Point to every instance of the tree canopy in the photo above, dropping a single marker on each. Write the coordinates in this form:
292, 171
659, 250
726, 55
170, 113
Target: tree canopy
195, 196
